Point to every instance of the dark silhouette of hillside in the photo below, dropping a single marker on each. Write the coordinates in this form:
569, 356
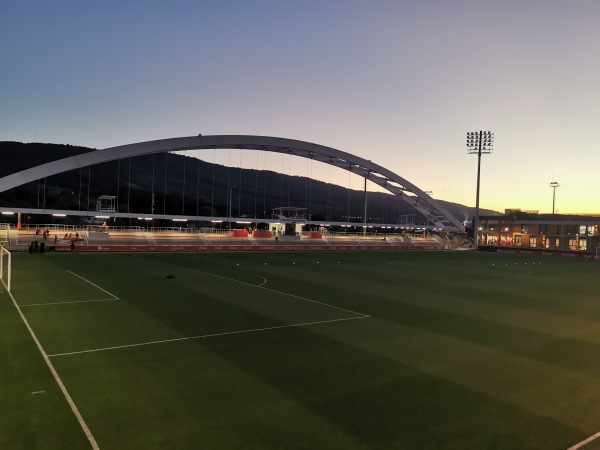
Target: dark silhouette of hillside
190, 187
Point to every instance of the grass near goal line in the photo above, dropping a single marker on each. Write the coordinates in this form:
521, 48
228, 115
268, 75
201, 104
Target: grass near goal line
348, 350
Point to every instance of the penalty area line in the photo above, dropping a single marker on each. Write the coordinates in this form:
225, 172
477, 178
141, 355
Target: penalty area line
95, 285
69, 303
584, 442
204, 336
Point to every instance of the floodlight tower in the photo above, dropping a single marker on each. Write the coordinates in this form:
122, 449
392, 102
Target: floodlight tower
554, 185
478, 143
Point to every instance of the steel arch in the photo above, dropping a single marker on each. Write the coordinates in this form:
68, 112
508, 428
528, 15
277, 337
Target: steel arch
397, 185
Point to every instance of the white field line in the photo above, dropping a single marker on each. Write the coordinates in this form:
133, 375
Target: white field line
262, 278
253, 330
95, 285
62, 387
587, 441
68, 303
265, 288
114, 297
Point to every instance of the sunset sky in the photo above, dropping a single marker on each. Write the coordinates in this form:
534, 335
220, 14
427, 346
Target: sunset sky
397, 82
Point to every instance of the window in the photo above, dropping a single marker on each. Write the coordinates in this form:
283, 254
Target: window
583, 244
524, 229
590, 230
572, 244
518, 240
546, 242
582, 229
533, 241
557, 243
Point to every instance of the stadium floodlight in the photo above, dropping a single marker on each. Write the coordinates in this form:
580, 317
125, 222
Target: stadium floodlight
554, 185
59, 215
478, 143
7, 213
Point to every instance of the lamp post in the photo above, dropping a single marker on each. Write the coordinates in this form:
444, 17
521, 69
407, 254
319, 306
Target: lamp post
554, 185
478, 143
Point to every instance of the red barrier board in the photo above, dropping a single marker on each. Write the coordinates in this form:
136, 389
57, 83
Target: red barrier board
545, 253
262, 234
197, 248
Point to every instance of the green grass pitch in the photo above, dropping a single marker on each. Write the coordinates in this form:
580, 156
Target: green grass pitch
303, 350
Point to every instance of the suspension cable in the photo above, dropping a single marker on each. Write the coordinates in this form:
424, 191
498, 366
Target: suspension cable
89, 182
256, 185
229, 213
129, 188
349, 190
183, 191
165, 197
212, 198
152, 188
329, 194
281, 190
197, 180
79, 193
240, 188
289, 180
265, 189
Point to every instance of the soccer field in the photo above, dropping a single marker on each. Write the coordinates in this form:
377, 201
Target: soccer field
303, 350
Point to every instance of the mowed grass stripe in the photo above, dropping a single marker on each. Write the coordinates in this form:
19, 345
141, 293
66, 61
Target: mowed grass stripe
440, 313
518, 380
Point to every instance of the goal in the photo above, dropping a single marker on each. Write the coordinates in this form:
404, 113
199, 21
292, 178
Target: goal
5, 267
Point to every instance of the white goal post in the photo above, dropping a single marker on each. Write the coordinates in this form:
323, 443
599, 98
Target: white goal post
5, 268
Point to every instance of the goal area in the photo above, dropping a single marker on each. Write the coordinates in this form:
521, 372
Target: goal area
5, 268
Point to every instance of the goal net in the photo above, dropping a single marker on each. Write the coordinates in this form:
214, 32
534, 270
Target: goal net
5, 267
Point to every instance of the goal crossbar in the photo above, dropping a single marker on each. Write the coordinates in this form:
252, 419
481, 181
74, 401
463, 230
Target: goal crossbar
5, 268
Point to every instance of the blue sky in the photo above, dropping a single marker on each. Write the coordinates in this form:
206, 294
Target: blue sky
397, 82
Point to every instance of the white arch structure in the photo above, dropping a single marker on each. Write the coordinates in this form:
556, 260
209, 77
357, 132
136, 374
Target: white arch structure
397, 185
